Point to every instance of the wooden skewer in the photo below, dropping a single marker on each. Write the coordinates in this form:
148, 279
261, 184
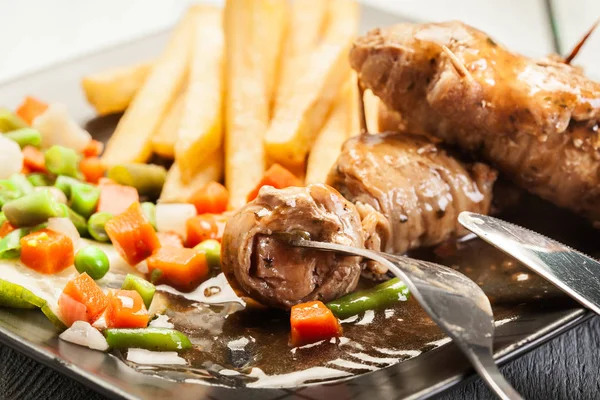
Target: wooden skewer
361, 108
458, 65
579, 45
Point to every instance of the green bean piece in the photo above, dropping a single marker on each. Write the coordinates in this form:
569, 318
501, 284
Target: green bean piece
65, 183
77, 220
32, 209
10, 245
212, 252
157, 339
9, 121
26, 137
62, 161
84, 199
149, 210
22, 184
148, 179
16, 296
96, 224
38, 179
380, 296
2, 218
93, 261
140, 285
8, 191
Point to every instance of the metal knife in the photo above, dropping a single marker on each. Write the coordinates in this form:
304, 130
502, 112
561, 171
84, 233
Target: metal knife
571, 271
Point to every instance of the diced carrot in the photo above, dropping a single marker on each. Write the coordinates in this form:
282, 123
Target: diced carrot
5, 229
132, 234
30, 109
182, 268
93, 149
34, 159
86, 291
203, 227
92, 169
47, 251
212, 198
126, 309
169, 239
276, 176
115, 198
312, 322
71, 310
25, 170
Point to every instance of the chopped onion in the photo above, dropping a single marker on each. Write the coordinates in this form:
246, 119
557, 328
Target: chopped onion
173, 217
143, 356
11, 158
66, 227
83, 334
58, 128
58, 194
161, 321
100, 323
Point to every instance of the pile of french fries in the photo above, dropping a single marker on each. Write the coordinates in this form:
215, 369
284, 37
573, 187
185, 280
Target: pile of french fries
236, 90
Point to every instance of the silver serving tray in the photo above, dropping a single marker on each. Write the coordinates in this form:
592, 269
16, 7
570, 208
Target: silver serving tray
527, 320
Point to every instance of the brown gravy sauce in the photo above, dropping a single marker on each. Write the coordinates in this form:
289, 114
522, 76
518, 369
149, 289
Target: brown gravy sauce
241, 347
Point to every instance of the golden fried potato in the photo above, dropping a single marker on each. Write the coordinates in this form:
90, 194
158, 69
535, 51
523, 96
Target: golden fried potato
299, 116
112, 90
131, 141
164, 138
176, 191
339, 126
254, 29
201, 127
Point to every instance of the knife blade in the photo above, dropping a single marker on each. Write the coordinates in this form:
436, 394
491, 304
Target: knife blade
575, 273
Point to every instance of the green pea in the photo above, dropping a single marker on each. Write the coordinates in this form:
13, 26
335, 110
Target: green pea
93, 261
96, 223
212, 251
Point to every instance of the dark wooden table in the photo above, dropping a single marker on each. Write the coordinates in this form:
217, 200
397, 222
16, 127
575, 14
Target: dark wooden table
567, 367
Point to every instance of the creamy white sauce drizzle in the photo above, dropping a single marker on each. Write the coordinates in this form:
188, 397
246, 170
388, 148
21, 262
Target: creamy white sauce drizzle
340, 362
161, 321
367, 318
294, 378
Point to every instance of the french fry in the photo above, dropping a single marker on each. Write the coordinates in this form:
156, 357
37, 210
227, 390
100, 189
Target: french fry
307, 23
300, 116
131, 140
371, 103
112, 90
201, 127
176, 191
338, 127
164, 138
251, 26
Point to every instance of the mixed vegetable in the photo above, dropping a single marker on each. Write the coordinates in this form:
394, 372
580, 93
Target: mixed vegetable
60, 203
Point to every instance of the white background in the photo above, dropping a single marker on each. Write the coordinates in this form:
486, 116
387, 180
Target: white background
39, 33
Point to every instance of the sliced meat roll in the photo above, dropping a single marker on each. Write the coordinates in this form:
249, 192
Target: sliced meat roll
537, 121
417, 187
277, 274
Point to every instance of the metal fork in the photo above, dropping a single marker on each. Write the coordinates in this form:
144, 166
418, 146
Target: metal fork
454, 302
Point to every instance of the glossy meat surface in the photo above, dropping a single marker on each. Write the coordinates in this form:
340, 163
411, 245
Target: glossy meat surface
277, 274
535, 120
416, 186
